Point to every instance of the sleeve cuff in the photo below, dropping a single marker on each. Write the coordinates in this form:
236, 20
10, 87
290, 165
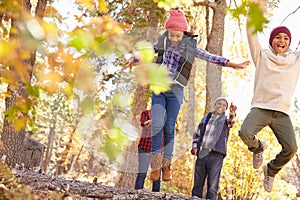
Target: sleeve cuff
135, 59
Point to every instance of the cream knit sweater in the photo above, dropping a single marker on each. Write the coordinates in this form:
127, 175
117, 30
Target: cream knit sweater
275, 76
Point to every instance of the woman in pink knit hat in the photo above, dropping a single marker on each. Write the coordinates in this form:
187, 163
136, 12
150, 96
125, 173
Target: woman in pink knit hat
176, 51
277, 69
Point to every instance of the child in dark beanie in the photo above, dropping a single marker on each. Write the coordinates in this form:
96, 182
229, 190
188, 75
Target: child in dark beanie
276, 75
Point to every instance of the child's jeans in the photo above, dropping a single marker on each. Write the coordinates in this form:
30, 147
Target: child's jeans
165, 109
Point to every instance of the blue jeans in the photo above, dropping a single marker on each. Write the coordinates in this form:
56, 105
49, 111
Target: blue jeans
210, 166
144, 161
165, 109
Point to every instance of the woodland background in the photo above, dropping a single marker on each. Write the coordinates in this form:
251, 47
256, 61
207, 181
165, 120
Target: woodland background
70, 107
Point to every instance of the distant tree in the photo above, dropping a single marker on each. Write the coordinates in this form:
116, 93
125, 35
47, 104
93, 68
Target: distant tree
215, 36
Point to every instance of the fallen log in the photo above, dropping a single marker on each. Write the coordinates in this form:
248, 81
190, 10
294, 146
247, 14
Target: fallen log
42, 181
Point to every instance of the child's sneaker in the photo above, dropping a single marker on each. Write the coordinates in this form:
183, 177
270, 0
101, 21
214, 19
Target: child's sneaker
268, 180
258, 157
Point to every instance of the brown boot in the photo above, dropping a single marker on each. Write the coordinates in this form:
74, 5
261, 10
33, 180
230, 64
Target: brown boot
155, 166
166, 169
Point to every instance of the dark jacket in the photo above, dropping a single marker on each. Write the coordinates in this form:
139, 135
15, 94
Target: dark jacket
221, 144
187, 57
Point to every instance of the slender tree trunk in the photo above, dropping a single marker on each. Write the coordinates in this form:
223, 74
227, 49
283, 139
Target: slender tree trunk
191, 103
215, 45
62, 166
49, 145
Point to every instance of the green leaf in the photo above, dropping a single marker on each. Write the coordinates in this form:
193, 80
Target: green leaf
121, 100
33, 90
81, 39
256, 17
11, 112
146, 51
159, 80
240, 10
87, 105
114, 143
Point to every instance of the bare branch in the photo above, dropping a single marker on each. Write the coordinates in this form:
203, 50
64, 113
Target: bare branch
290, 14
205, 3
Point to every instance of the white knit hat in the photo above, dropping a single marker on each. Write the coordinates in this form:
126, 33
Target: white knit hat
221, 98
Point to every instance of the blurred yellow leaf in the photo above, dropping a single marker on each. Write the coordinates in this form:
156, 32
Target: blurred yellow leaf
159, 80
87, 3
67, 89
102, 6
171, 3
156, 76
20, 124
81, 39
51, 31
146, 51
51, 11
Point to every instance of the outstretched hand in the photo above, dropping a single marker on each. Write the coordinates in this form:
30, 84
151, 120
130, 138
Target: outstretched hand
232, 108
242, 65
232, 114
130, 62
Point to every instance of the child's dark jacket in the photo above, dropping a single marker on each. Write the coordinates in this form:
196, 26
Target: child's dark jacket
221, 144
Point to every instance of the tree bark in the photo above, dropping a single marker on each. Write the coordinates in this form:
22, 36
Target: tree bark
41, 181
33, 154
13, 137
192, 103
49, 145
214, 45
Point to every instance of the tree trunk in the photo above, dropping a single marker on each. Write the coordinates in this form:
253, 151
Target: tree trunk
12, 139
13, 133
215, 45
62, 166
215, 37
192, 103
49, 145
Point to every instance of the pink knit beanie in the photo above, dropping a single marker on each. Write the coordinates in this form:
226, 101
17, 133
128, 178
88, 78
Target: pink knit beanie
176, 21
279, 29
